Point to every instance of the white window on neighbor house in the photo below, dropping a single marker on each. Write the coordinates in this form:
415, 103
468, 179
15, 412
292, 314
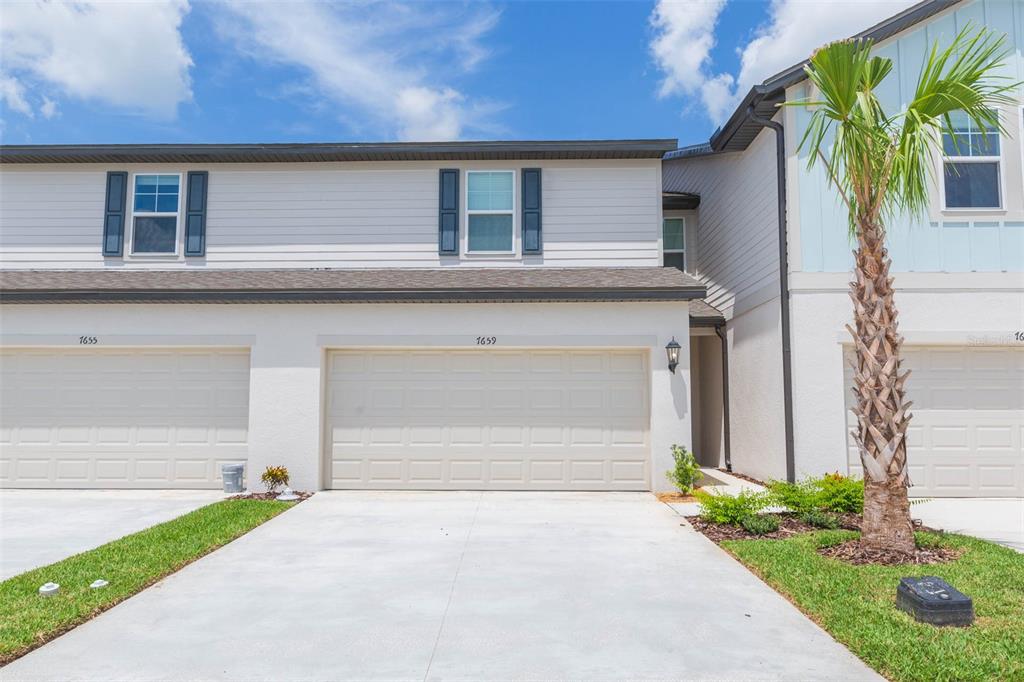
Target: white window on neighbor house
156, 203
673, 234
490, 210
971, 166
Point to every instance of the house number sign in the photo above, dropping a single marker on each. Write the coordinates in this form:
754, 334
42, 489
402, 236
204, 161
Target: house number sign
88, 340
486, 340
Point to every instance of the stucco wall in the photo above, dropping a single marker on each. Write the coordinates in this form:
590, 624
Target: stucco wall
288, 345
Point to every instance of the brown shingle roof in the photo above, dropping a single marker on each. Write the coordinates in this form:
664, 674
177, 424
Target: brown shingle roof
437, 285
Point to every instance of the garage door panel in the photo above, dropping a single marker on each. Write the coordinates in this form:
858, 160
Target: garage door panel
966, 437
124, 418
531, 419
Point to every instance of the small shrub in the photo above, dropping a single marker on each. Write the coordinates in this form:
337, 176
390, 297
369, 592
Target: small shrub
275, 477
760, 525
841, 494
830, 493
798, 497
820, 519
686, 472
731, 509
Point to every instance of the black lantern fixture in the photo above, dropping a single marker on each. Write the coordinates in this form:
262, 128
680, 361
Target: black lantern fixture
672, 349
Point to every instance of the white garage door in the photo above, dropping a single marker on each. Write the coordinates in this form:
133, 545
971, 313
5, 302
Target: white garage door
125, 418
500, 420
966, 436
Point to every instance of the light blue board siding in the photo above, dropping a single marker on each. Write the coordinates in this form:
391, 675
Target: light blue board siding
918, 244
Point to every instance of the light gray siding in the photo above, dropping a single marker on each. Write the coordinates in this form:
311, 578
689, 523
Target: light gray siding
335, 215
737, 253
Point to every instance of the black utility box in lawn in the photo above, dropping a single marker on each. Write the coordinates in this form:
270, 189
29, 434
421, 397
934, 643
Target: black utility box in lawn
932, 600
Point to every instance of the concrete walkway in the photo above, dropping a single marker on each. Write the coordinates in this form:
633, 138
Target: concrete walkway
39, 527
455, 586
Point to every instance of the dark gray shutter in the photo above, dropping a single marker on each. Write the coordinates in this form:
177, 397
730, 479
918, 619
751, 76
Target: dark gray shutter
532, 242
113, 213
448, 215
195, 214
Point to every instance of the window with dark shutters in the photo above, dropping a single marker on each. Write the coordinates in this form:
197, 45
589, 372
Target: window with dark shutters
531, 211
113, 213
448, 216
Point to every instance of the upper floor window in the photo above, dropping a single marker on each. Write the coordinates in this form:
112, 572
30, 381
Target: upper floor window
971, 165
673, 233
490, 206
155, 206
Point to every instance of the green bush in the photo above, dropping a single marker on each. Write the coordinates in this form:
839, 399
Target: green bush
820, 519
274, 477
841, 494
799, 498
829, 493
731, 509
759, 525
686, 472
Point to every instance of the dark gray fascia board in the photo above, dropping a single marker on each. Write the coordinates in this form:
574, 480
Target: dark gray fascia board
320, 152
738, 132
344, 296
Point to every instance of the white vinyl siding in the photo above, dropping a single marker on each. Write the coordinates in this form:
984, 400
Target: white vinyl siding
336, 215
737, 226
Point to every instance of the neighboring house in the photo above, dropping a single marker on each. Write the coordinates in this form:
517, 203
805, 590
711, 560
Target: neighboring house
959, 273
488, 315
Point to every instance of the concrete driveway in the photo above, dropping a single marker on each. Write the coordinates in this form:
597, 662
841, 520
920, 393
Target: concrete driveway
455, 586
997, 519
39, 527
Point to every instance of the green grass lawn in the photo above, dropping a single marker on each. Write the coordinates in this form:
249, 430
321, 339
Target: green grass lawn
856, 604
130, 564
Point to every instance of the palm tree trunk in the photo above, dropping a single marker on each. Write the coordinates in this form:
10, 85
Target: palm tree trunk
881, 410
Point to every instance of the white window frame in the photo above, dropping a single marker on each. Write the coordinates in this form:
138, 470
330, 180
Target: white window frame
664, 249
165, 214
515, 232
1000, 185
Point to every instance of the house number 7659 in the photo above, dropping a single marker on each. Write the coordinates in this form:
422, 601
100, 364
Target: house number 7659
486, 340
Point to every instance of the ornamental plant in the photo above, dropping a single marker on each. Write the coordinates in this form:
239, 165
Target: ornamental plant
730, 509
686, 472
275, 477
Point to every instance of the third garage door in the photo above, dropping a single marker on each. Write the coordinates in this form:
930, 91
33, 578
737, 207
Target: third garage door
500, 420
965, 437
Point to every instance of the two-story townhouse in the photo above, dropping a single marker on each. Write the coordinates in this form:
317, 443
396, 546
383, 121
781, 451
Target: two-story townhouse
475, 315
770, 240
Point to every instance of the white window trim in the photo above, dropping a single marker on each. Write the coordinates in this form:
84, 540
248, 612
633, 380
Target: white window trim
683, 250
515, 232
177, 215
1001, 187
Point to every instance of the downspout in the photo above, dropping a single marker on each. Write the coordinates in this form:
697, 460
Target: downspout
787, 366
726, 445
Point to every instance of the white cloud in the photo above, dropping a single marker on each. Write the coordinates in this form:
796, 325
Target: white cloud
685, 34
12, 96
384, 66
126, 54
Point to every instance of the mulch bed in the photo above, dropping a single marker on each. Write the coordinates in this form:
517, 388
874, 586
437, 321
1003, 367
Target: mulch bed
675, 497
789, 525
269, 496
852, 553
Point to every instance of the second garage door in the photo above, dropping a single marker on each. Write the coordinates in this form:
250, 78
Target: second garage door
121, 418
500, 420
965, 437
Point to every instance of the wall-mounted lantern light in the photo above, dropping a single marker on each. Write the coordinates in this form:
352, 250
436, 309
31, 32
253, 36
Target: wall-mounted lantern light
673, 354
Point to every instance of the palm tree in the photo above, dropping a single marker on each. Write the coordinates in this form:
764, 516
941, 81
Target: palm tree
881, 166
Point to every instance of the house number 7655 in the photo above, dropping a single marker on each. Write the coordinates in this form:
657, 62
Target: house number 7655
88, 340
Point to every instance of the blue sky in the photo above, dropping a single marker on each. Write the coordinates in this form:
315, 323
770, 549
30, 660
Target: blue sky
236, 71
